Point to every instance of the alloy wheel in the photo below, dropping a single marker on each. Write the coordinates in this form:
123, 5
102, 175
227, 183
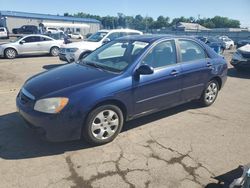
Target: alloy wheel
105, 124
54, 51
10, 53
211, 92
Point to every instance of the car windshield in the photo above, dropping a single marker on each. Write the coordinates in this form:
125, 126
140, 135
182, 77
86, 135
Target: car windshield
17, 39
115, 56
96, 37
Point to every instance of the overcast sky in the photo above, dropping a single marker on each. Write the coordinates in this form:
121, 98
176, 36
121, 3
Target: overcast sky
239, 9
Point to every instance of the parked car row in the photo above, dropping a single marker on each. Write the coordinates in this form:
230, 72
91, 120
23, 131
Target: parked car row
58, 43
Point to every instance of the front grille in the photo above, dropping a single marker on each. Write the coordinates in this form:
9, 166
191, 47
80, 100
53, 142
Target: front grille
62, 50
25, 97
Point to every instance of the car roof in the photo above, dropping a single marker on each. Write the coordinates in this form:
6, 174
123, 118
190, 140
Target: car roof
37, 35
119, 30
153, 38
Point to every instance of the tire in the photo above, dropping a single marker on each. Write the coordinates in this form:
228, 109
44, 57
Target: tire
10, 53
54, 51
210, 93
103, 124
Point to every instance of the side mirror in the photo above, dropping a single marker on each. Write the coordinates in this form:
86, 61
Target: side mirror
144, 70
106, 40
22, 41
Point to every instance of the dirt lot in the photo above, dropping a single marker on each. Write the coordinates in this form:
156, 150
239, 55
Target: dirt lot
186, 146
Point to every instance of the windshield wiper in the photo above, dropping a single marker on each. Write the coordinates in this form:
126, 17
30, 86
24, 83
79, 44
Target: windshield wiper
99, 66
93, 64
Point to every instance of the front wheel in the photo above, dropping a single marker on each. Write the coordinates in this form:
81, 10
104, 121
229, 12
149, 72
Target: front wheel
210, 93
54, 51
103, 124
10, 53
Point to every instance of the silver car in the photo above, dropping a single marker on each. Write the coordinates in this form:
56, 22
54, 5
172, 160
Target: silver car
29, 45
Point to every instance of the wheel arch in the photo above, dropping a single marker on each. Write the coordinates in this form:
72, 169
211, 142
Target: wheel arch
219, 80
10, 47
115, 102
54, 46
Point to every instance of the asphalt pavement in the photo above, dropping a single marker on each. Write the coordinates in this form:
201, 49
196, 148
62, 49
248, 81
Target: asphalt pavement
183, 147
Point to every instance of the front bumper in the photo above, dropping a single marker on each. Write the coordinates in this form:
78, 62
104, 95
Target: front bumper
63, 126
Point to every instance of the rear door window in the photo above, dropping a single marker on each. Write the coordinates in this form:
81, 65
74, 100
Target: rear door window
163, 54
32, 39
45, 39
191, 51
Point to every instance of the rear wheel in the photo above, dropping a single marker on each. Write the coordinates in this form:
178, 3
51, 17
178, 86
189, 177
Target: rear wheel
210, 93
10, 53
54, 51
103, 124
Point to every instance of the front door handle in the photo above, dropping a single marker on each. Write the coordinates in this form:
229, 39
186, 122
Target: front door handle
209, 64
174, 72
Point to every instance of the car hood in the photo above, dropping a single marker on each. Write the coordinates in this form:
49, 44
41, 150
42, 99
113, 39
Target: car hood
64, 78
245, 49
83, 45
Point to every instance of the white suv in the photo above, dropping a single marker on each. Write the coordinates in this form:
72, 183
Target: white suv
76, 50
4, 33
52, 30
228, 43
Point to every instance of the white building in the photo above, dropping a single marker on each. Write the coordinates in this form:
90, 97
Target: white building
14, 19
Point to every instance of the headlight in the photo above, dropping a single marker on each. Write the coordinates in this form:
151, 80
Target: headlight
72, 50
51, 105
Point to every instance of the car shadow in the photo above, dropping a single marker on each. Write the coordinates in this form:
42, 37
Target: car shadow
232, 72
19, 142
48, 67
29, 56
159, 115
224, 180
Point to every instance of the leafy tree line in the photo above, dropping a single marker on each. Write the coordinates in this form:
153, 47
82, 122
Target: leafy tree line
145, 23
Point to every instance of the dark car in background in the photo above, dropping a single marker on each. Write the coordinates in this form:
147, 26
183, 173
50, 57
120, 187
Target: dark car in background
122, 80
217, 45
26, 29
241, 58
241, 43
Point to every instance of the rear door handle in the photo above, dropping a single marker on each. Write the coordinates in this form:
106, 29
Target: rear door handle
174, 72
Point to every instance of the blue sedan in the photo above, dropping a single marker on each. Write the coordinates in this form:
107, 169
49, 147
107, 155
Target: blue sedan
125, 79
